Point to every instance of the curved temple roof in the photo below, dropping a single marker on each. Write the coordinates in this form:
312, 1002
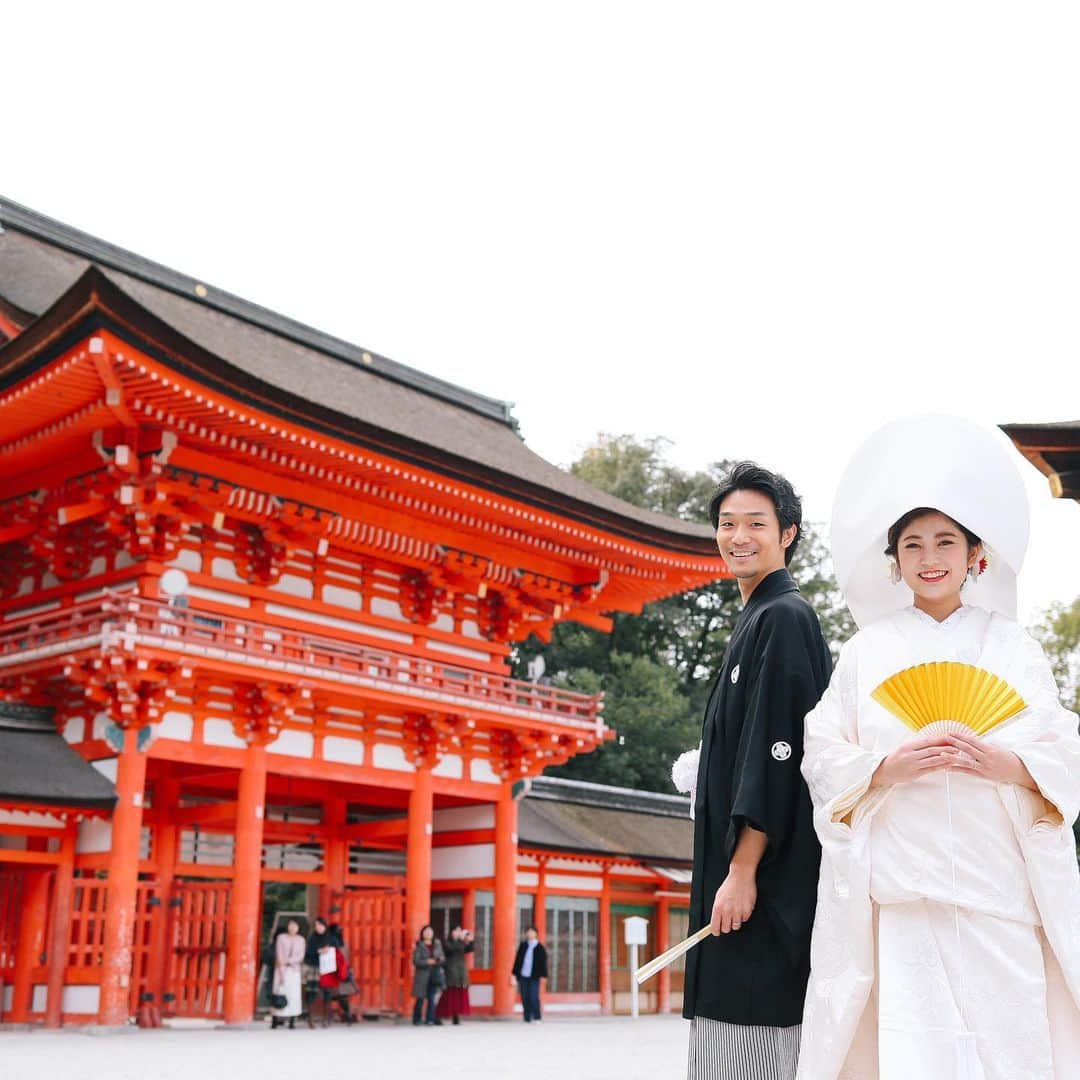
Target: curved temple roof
39, 768
328, 383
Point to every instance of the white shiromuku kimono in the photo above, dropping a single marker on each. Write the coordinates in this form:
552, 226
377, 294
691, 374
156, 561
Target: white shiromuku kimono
926, 930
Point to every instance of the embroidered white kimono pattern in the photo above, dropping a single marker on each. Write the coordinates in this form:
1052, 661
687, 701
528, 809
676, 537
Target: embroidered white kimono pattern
924, 932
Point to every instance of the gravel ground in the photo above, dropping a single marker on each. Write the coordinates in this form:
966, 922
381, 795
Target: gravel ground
563, 1048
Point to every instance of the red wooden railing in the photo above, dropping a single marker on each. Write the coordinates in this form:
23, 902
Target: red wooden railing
129, 620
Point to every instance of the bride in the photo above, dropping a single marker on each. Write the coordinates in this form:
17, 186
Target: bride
946, 944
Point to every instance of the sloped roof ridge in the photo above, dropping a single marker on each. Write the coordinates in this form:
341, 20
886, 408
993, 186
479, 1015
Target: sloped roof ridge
586, 793
22, 219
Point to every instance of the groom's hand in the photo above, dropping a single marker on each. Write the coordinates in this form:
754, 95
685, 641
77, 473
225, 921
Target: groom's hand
735, 900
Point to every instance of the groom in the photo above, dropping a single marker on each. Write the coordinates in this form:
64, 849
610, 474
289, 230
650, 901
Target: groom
755, 853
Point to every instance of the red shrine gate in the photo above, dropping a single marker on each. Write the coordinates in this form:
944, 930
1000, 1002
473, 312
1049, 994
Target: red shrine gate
269, 584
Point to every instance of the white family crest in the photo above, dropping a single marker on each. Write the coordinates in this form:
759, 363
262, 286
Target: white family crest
781, 750
734, 674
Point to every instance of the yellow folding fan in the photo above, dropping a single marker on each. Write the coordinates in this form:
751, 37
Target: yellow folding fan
947, 697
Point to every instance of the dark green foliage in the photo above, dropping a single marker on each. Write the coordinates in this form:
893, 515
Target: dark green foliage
656, 667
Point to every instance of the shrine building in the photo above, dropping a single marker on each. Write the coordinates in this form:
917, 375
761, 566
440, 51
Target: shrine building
1054, 449
258, 594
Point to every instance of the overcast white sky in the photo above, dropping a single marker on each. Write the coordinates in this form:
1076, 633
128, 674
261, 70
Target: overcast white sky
757, 230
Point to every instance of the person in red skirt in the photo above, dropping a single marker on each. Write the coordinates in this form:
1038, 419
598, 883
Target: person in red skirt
454, 1002
324, 941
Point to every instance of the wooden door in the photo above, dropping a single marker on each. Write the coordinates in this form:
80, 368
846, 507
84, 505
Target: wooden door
198, 913
373, 924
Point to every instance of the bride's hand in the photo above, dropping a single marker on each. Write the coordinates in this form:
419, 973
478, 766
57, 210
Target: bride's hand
914, 759
995, 763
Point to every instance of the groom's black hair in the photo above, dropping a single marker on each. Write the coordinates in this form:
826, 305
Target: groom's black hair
749, 476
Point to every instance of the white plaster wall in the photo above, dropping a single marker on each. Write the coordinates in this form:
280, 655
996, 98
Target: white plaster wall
75, 729
30, 817
39, 997
525, 878
565, 881
339, 624
348, 598
176, 725
391, 757
107, 767
101, 722
575, 867
450, 766
482, 772
80, 999
188, 560
218, 595
294, 743
223, 568
387, 609
468, 860
483, 995
218, 732
12, 843
444, 622
98, 566
634, 871
294, 585
94, 836
464, 817
458, 650
347, 751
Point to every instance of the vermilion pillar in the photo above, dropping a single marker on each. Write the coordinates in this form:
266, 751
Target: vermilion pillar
166, 841
33, 922
504, 930
337, 853
663, 943
123, 869
245, 915
540, 905
418, 855
60, 932
607, 1001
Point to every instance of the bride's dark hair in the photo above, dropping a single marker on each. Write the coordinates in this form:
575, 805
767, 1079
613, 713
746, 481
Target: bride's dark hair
897, 528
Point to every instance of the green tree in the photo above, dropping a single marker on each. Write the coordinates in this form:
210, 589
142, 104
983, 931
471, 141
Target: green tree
655, 667
1058, 631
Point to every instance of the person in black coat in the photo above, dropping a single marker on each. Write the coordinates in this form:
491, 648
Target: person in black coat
324, 937
530, 966
756, 854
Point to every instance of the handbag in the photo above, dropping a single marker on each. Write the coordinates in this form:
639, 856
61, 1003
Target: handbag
347, 987
278, 1001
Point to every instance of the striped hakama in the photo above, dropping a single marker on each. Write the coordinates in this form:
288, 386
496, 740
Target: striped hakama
720, 1051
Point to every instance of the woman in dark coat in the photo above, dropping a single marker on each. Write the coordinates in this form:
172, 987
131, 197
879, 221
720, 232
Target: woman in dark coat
329, 937
428, 975
455, 999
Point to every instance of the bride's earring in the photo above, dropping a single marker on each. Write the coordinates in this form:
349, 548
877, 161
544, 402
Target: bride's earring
894, 571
